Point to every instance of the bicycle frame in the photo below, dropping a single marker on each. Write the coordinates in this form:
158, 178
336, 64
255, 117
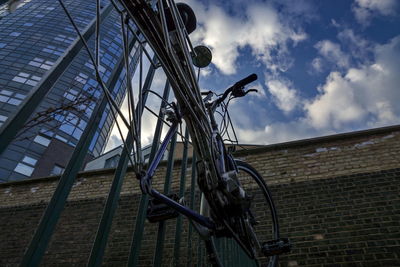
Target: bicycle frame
145, 180
145, 184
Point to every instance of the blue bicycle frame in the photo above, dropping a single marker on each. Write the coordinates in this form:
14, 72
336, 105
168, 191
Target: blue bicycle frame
145, 184
145, 180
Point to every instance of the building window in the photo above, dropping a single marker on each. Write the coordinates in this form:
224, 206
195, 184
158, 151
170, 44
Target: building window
26, 78
29, 160
57, 170
26, 166
90, 66
72, 125
69, 29
44, 141
82, 78
62, 139
71, 94
15, 34
63, 38
81, 20
112, 162
24, 169
2, 119
53, 50
41, 63
10, 97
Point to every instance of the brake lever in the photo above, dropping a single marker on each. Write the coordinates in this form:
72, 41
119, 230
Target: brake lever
208, 97
239, 92
251, 90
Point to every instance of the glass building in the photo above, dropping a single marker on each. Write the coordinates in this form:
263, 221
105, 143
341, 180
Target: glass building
37, 44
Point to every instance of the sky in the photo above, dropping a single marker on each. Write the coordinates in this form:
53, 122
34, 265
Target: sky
323, 67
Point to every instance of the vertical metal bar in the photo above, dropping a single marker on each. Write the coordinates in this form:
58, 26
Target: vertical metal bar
141, 215
167, 186
14, 124
178, 230
97, 49
99, 245
131, 102
192, 199
139, 113
104, 88
199, 252
43, 233
229, 252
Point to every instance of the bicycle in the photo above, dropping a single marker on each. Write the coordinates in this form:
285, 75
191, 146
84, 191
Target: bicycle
225, 210
226, 207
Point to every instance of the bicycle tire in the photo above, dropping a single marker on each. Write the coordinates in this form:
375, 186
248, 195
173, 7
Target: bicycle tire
221, 250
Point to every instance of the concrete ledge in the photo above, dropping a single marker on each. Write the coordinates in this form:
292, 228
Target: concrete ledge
316, 140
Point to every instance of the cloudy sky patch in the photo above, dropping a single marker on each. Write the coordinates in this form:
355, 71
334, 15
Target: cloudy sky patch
323, 67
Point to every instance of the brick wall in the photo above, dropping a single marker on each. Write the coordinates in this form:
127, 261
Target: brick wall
337, 198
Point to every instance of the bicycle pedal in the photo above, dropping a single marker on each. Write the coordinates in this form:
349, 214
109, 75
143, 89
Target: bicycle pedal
158, 211
276, 247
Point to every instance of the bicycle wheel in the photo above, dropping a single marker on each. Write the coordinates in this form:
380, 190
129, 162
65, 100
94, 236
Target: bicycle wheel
262, 214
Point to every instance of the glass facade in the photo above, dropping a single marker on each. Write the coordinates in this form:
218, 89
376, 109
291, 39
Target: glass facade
33, 40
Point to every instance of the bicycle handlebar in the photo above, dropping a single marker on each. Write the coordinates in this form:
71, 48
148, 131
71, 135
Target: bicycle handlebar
237, 86
245, 81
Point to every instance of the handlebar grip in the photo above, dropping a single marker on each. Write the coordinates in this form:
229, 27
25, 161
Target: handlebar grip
247, 80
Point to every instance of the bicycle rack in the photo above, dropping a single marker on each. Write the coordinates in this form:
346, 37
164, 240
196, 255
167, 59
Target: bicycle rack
176, 74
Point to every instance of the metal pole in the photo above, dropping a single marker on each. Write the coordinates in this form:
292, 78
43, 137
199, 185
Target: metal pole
199, 252
141, 215
192, 199
99, 245
167, 186
38, 245
178, 230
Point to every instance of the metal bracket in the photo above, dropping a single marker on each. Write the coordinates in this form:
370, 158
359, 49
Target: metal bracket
174, 115
145, 183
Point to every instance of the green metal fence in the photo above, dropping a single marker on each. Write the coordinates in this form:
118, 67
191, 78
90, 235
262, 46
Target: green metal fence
188, 248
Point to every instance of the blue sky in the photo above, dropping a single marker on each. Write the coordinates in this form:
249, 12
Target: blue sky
324, 67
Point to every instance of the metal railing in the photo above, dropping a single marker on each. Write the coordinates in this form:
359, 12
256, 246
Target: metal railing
149, 39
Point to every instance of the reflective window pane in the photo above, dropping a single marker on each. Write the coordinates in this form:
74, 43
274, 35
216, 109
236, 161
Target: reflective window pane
24, 169
42, 140
29, 160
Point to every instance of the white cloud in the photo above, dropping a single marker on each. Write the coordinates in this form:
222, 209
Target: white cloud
335, 106
368, 94
258, 26
260, 91
283, 94
359, 47
359, 98
204, 72
280, 132
364, 10
317, 64
148, 120
359, 51
333, 53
